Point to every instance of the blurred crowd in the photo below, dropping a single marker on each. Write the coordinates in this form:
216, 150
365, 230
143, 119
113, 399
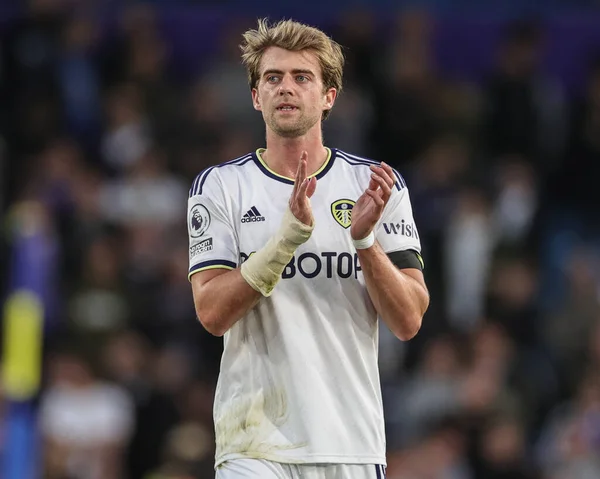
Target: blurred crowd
102, 134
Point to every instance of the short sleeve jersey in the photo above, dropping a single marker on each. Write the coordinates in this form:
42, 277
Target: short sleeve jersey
299, 380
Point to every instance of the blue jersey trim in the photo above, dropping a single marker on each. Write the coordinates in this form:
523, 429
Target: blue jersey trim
198, 183
357, 160
215, 262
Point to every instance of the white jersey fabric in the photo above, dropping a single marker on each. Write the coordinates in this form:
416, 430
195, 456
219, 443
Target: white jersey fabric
299, 381
245, 468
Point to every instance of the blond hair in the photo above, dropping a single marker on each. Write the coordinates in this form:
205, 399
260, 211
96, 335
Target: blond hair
293, 36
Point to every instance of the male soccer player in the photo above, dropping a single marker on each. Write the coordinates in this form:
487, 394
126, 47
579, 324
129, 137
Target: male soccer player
295, 250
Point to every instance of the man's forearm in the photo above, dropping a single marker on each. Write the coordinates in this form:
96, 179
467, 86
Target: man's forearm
223, 301
400, 299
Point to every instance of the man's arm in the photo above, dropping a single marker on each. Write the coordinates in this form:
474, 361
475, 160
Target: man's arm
399, 295
221, 298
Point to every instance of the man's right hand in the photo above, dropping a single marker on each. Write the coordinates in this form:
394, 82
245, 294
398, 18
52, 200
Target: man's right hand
223, 297
304, 188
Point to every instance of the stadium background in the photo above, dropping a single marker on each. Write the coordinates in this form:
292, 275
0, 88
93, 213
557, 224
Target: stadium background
490, 110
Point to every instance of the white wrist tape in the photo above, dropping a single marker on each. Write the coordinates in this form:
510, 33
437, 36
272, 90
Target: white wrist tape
365, 242
263, 269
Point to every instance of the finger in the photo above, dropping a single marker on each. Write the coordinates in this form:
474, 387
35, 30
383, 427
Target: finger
296, 183
373, 185
383, 174
300, 173
302, 189
299, 169
389, 170
385, 187
376, 197
386, 173
302, 166
312, 186
302, 180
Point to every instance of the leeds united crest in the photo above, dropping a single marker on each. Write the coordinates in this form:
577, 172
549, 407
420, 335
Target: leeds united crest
342, 212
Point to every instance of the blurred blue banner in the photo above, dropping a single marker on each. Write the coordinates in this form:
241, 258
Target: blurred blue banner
32, 263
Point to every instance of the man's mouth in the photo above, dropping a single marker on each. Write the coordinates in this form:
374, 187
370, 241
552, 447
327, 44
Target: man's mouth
286, 108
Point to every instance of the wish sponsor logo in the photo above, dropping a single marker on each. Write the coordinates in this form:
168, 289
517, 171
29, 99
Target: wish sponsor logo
202, 247
403, 228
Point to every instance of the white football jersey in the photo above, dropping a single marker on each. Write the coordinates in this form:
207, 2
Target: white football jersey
299, 380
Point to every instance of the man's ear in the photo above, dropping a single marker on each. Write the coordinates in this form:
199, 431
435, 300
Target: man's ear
330, 96
256, 100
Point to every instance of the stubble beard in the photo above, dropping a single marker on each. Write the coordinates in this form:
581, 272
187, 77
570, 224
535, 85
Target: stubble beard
289, 129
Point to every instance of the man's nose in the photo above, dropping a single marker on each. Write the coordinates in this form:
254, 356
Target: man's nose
286, 85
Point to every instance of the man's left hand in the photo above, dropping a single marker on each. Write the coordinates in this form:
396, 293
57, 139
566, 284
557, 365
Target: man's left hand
368, 209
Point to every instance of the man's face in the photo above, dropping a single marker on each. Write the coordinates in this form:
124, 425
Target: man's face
290, 92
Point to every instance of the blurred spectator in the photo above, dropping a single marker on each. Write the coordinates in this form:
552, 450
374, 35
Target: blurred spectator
486, 389
516, 204
572, 325
578, 192
226, 78
146, 195
86, 423
189, 447
186, 454
78, 80
30, 50
504, 451
431, 395
468, 251
357, 32
127, 135
570, 218
406, 91
435, 180
570, 444
524, 110
440, 455
511, 298
204, 132
98, 303
136, 28
128, 361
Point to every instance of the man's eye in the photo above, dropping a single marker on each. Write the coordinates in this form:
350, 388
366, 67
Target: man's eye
302, 78
272, 78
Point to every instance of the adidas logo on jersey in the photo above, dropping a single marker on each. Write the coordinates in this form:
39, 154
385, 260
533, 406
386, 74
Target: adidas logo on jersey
252, 216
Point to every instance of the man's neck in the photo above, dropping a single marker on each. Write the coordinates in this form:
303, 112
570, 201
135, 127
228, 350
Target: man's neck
283, 154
